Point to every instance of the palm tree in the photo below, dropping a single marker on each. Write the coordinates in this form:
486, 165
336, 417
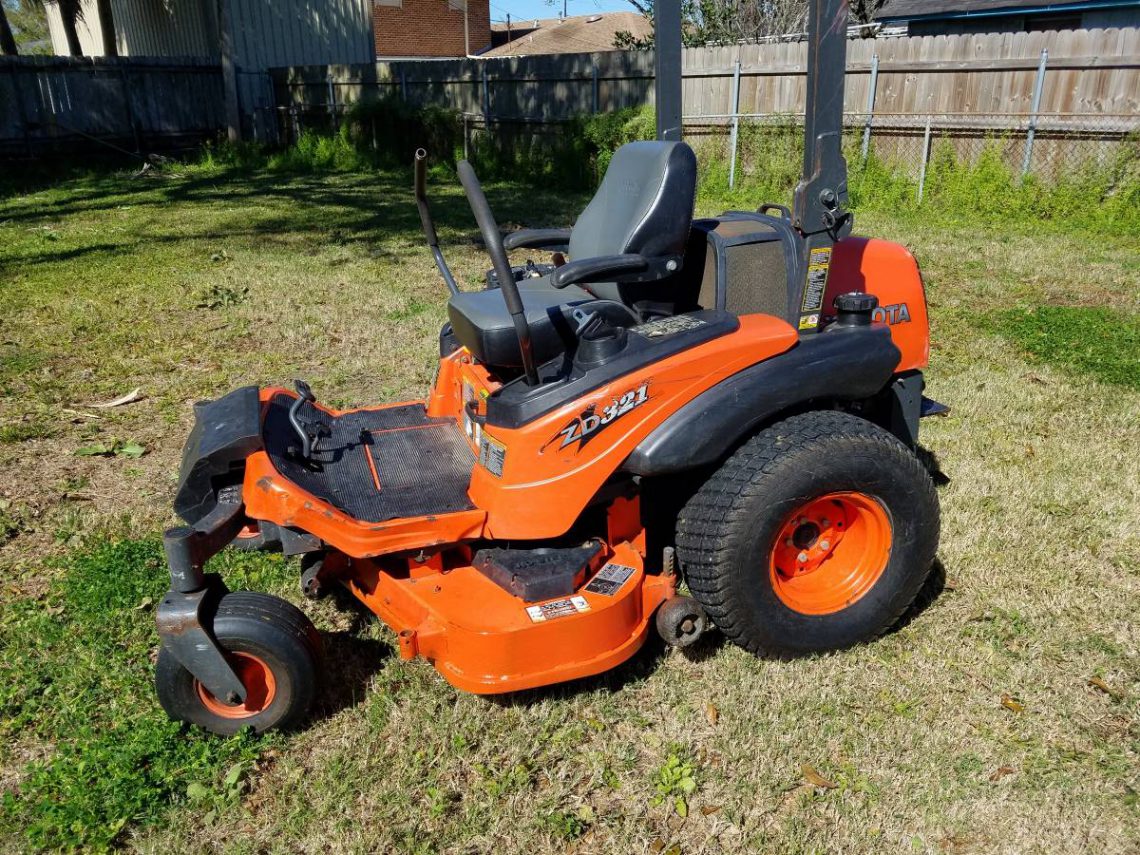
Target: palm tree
107, 27
70, 13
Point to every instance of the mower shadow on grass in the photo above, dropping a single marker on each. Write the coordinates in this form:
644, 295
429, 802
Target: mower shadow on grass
351, 661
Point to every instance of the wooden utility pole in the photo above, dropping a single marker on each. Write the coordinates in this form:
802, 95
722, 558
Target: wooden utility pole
229, 72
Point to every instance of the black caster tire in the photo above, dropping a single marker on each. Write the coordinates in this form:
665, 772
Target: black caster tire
817, 534
312, 585
681, 621
276, 652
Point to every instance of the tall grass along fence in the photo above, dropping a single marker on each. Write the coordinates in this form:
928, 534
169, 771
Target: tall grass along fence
1053, 103
66, 105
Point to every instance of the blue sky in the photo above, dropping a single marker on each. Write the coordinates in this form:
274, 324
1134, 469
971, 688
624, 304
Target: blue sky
523, 9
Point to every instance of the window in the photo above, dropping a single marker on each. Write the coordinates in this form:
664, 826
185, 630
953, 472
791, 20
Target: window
456, 5
399, 4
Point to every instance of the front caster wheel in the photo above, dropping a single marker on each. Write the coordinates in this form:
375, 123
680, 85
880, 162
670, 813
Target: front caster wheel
681, 621
816, 535
275, 651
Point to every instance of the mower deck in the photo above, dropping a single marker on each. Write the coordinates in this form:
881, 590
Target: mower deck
376, 464
483, 639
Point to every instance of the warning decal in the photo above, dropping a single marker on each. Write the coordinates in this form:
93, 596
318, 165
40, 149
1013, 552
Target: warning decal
557, 608
816, 284
610, 579
492, 454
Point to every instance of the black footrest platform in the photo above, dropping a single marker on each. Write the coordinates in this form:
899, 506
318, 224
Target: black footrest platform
375, 465
537, 574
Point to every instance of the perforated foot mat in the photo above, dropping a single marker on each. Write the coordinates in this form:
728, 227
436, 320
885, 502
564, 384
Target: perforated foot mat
375, 465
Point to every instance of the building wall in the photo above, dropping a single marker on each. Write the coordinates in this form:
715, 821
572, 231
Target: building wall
281, 33
406, 28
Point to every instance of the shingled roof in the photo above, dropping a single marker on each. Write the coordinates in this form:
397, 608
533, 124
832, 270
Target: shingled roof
578, 34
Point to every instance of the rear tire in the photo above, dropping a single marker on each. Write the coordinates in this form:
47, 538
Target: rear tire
817, 534
276, 652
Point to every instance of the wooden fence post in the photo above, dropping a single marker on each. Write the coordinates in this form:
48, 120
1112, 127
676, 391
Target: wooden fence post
128, 110
21, 111
229, 73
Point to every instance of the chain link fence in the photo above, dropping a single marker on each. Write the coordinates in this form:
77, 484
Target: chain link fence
1049, 148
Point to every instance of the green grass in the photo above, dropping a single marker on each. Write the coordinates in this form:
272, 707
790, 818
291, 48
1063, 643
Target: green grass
193, 282
78, 675
1097, 341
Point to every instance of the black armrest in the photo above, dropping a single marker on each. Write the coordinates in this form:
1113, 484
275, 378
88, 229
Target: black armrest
552, 239
598, 269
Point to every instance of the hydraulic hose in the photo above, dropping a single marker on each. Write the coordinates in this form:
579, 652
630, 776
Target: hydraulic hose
493, 240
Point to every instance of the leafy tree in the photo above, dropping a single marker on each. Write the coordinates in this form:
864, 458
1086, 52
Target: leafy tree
728, 21
25, 21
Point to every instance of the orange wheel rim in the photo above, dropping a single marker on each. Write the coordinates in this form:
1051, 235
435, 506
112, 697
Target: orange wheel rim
260, 688
830, 552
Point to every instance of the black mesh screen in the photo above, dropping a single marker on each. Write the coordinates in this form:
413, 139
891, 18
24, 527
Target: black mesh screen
756, 279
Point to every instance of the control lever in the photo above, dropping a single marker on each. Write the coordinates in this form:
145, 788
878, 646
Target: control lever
308, 441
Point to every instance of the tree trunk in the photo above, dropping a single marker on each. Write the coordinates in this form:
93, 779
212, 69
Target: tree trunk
69, 13
107, 25
7, 40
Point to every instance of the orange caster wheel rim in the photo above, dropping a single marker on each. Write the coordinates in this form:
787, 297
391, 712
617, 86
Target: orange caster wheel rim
830, 552
260, 688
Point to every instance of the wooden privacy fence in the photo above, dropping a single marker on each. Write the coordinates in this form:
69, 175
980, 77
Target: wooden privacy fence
1061, 98
70, 105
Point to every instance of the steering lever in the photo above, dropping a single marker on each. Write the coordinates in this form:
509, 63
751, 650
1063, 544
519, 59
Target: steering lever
308, 441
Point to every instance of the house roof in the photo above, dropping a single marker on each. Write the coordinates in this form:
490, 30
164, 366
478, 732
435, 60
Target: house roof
577, 34
905, 10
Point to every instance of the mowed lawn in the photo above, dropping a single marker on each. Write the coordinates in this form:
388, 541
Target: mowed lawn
1001, 717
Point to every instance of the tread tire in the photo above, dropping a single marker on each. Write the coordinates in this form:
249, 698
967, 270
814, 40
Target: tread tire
726, 531
265, 626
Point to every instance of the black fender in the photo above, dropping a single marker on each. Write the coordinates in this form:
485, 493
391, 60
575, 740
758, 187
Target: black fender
838, 365
226, 432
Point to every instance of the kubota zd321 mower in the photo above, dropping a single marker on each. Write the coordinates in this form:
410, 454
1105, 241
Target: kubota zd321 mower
522, 525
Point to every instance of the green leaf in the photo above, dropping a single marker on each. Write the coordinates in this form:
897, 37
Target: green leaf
132, 450
233, 775
196, 792
681, 807
96, 450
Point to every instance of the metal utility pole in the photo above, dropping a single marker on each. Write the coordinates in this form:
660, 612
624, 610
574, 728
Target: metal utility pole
667, 68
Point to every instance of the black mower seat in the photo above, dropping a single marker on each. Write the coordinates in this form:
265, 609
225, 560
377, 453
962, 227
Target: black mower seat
644, 206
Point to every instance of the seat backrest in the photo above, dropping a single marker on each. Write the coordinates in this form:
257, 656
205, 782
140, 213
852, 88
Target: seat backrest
644, 205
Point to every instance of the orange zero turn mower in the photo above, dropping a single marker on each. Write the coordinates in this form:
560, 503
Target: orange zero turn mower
731, 403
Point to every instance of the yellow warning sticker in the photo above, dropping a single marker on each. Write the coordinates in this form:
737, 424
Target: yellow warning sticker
816, 284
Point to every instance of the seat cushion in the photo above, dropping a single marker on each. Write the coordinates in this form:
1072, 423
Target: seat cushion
483, 325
